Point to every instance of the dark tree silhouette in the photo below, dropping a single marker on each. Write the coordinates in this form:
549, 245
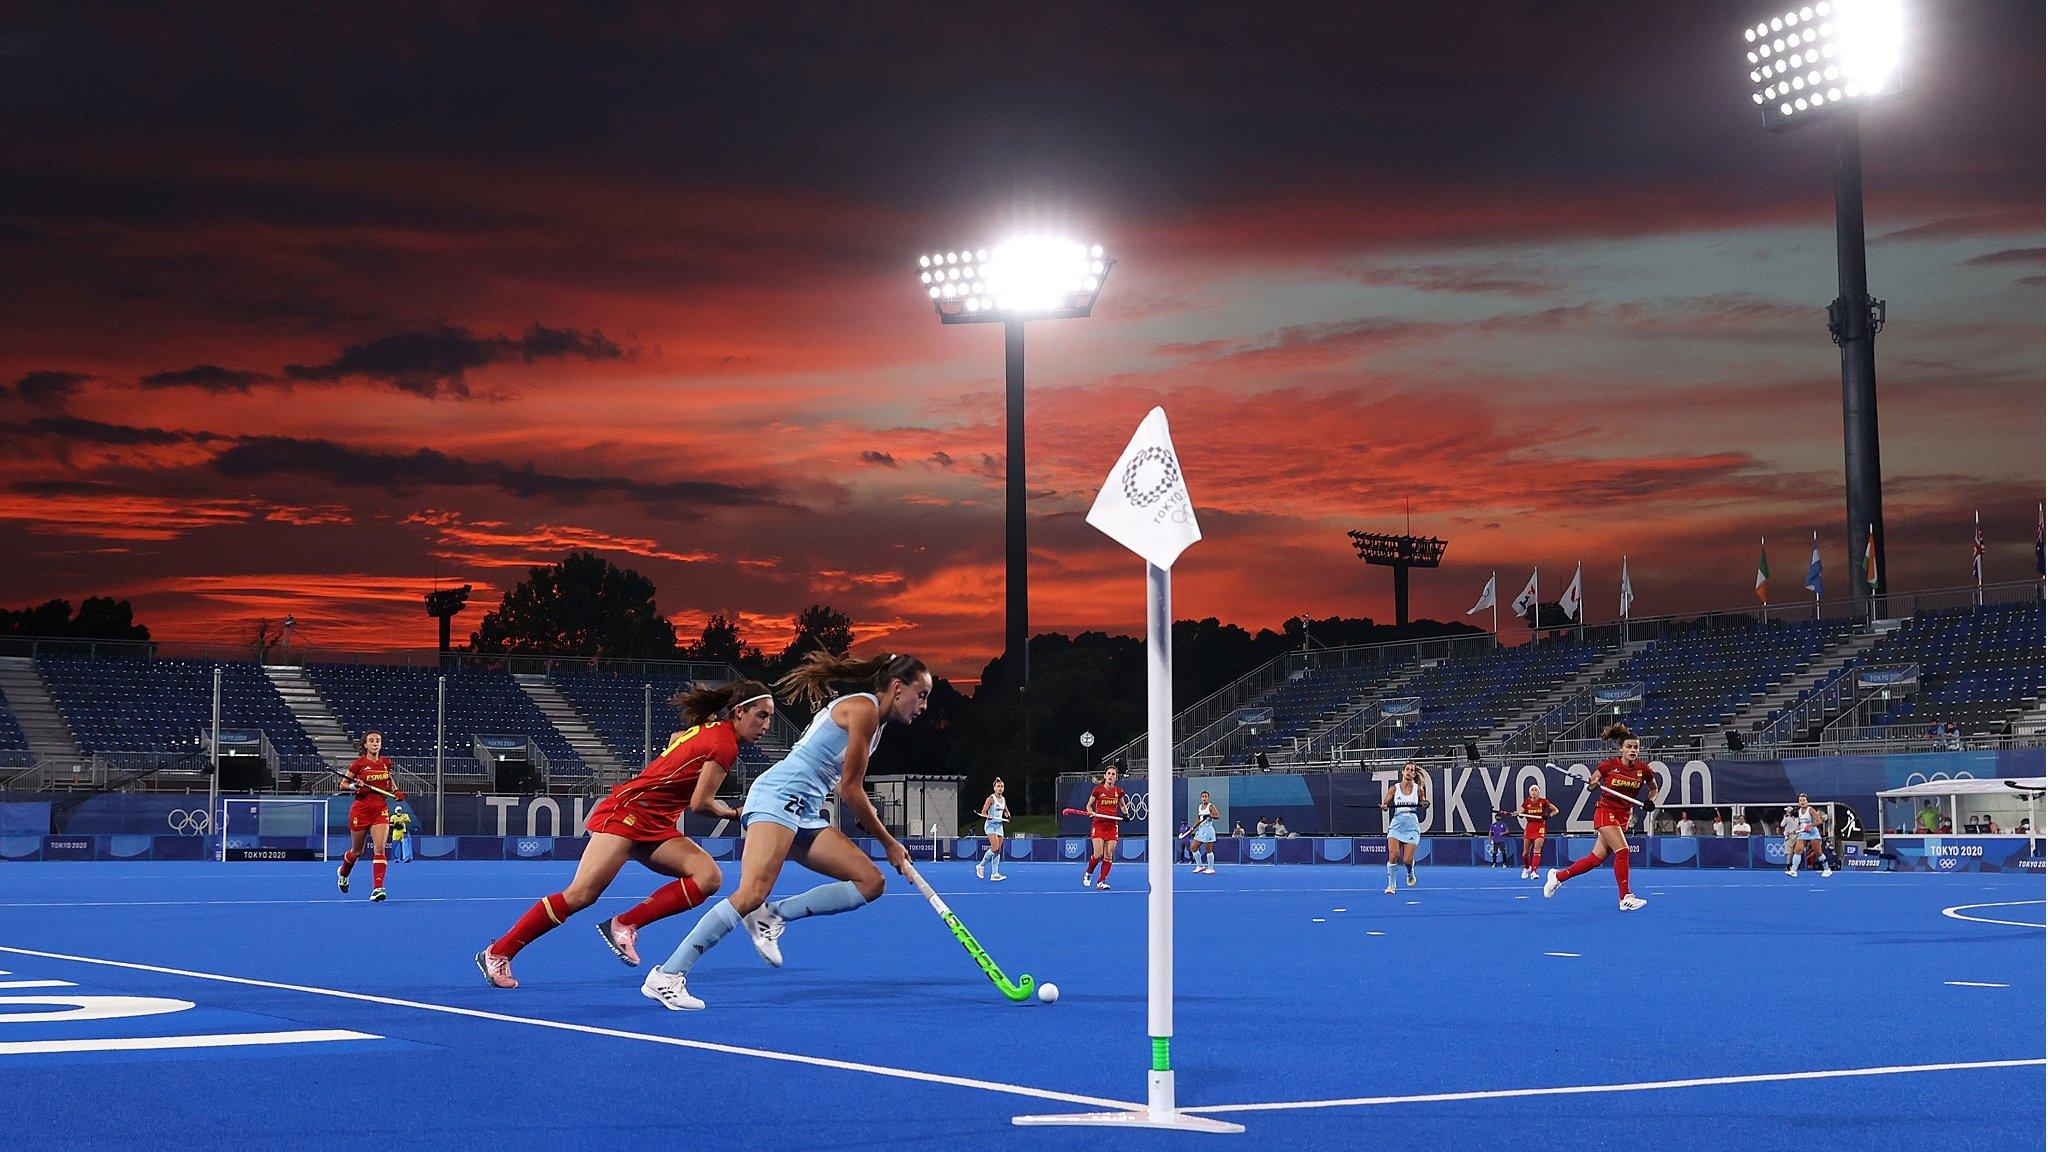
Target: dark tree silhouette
583, 606
99, 618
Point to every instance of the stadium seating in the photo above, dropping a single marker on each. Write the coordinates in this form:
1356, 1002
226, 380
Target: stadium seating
399, 702
615, 708
11, 738
135, 705
1298, 702
1464, 700
1695, 680
1977, 665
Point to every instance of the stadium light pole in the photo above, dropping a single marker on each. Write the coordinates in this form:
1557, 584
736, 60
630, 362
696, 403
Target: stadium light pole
1822, 63
1025, 278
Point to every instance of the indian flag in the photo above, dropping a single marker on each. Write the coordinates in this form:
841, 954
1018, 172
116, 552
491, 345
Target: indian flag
1763, 573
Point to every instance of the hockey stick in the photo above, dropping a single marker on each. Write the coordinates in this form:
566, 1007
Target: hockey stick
1019, 991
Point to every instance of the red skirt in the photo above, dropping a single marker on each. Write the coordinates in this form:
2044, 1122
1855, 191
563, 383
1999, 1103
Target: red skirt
1605, 817
632, 821
1102, 830
368, 812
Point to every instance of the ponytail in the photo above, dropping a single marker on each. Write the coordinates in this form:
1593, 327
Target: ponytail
703, 703
1618, 733
815, 678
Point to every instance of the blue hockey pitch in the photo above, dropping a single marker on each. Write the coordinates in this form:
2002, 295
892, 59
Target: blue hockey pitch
250, 1006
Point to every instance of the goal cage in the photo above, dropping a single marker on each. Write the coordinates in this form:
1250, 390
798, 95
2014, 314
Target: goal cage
273, 828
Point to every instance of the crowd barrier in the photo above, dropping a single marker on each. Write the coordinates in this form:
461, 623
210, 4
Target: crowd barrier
1917, 854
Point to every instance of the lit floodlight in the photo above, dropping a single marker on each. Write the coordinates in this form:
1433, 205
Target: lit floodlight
1023, 278
1862, 42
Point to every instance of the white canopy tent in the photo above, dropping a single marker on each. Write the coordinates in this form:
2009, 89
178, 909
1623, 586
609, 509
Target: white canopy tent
2006, 800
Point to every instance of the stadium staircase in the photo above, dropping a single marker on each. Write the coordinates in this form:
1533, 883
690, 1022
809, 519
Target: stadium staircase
1800, 683
1355, 719
605, 768
48, 738
335, 747
1577, 687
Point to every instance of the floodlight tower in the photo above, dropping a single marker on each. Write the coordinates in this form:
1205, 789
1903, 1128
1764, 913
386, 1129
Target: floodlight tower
1399, 553
1822, 63
1032, 277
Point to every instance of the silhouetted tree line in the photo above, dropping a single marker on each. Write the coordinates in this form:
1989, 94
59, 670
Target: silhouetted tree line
98, 618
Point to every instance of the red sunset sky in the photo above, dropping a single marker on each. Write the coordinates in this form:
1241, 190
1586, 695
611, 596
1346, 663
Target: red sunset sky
299, 313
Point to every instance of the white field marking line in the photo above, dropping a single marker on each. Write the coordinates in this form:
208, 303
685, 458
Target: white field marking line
594, 1030
1974, 984
1372, 933
35, 984
162, 1043
1317, 920
1956, 913
1570, 955
1642, 1086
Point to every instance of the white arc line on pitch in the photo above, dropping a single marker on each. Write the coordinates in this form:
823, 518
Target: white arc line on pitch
165, 1043
1643, 1086
1974, 984
594, 1030
1956, 913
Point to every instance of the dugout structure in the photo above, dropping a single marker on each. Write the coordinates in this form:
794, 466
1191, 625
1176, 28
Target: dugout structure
1970, 807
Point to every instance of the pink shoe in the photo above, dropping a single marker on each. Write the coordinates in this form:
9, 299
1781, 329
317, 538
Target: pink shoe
496, 969
621, 937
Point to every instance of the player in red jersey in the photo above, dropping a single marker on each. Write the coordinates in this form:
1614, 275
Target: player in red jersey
1535, 810
1106, 804
369, 816
638, 821
1617, 777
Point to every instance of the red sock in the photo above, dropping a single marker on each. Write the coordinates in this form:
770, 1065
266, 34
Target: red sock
1090, 870
1581, 866
546, 913
667, 900
1621, 871
348, 862
376, 871
1104, 878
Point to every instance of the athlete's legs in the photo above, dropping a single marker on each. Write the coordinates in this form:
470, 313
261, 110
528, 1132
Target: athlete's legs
761, 857
379, 835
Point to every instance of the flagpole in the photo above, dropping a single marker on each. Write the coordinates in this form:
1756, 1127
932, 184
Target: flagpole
1536, 608
1495, 585
1579, 582
1627, 594
1816, 586
1977, 551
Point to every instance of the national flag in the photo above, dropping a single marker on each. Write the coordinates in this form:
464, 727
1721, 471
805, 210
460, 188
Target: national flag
1628, 591
1813, 580
1573, 600
1870, 558
1763, 573
1144, 503
1486, 597
1526, 602
1977, 545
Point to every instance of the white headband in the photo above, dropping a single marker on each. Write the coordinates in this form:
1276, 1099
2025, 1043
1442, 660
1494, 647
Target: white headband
752, 699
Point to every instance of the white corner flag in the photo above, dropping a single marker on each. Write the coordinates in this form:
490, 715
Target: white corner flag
1573, 601
1628, 590
1527, 599
1485, 598
1144, 506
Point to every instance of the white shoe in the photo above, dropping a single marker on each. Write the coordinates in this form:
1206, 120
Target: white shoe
1411, 879
980, 872
1087, 879
1390, 889
1631, 902
997, 876
764, 928
1791, 871
1827, 871
1552, 883
341, 879
670, 992
1102, 886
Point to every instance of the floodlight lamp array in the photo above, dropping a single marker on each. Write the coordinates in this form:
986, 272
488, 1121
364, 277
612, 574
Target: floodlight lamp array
1022, 278
1823, 57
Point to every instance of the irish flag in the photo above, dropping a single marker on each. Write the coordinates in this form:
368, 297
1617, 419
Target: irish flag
1763, 573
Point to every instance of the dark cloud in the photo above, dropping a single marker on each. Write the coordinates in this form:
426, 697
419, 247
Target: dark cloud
2008, 256
1965, 227
48, 388
64, 487
80, 430
883, 459
1506, 280
207, 378
435, 361
942, 459
405, 473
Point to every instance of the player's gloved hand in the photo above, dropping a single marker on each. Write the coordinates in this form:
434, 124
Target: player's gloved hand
1649, 802
899, 857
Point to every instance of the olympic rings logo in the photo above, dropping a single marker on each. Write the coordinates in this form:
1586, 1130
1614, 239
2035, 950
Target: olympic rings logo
190, 821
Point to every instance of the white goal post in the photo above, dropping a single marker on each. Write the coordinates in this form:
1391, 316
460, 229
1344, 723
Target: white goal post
273, 827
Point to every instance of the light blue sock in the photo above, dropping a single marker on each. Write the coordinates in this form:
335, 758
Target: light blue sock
710, 929
1392, 874
1211, 854
988, 856
824, 900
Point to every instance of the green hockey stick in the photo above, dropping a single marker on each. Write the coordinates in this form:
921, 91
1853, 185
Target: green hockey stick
1019, 991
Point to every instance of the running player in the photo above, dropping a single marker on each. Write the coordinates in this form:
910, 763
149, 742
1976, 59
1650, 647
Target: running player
1616, 777
1810, 839
638, 822
1404, 803
784, 813
1206, 819
995, 814
1106, 803
369, 816
1535, 814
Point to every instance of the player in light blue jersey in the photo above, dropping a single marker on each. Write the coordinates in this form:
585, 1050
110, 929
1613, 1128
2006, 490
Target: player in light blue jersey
1206, 819
995, 816
1404, 804
784, 812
